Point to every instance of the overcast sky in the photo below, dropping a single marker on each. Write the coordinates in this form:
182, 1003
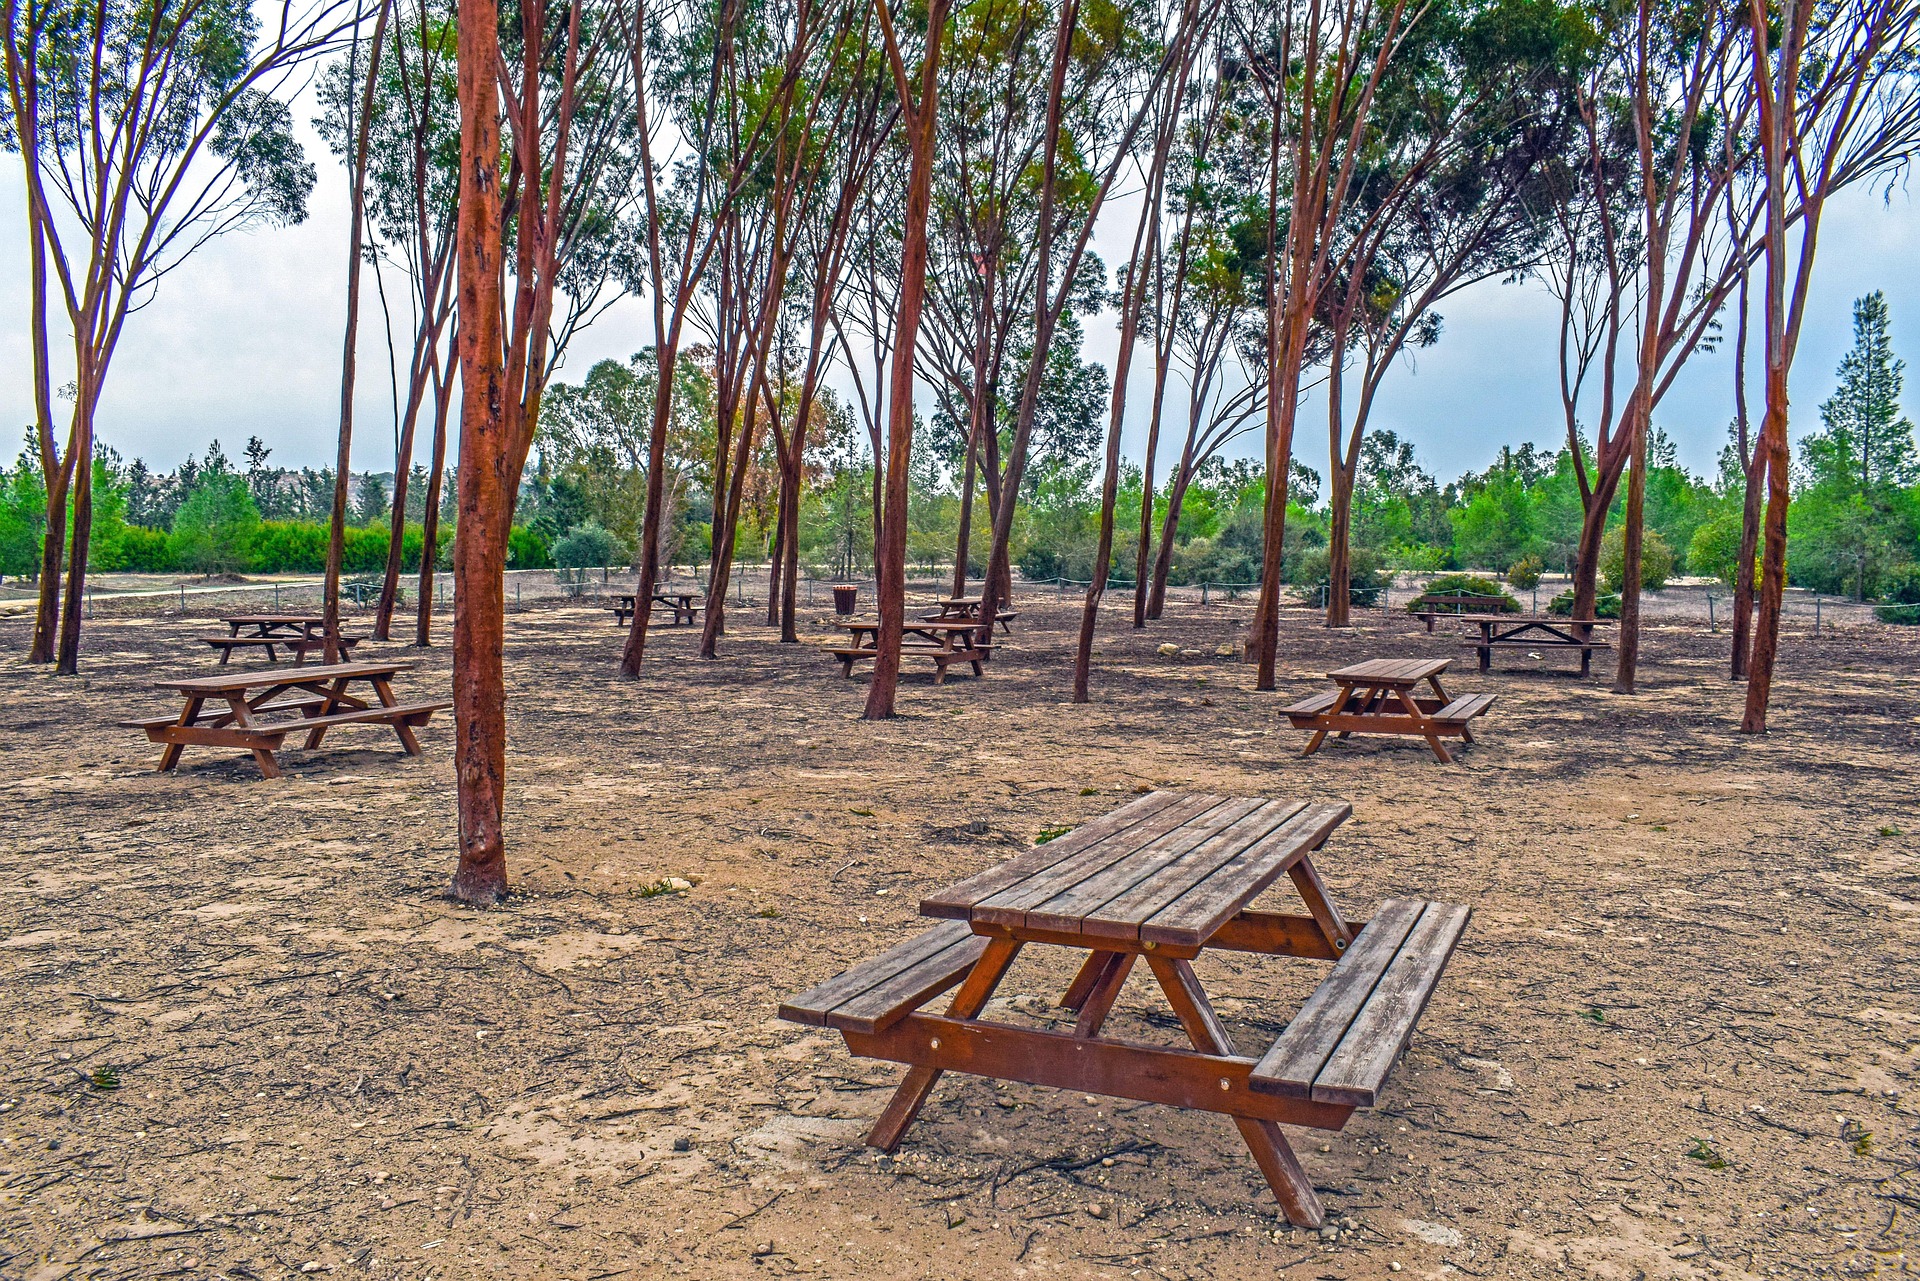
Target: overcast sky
245, 340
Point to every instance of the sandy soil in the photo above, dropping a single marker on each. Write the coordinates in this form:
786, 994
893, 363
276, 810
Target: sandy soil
1679, 1040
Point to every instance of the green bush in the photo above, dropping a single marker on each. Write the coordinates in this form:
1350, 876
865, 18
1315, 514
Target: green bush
1525, 572
1902, 590
1365, 582
1715, 548
526, 549
146, 551
1656, 560
588, 545
1468, 585
214, 528
1606, 605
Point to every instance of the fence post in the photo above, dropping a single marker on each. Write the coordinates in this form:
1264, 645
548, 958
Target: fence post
183, 598
1816, 613
1203, 593
516, 593
1713, 624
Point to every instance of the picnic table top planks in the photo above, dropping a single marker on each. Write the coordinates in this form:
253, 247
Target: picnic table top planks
1165, 869
229, 682
1390, 671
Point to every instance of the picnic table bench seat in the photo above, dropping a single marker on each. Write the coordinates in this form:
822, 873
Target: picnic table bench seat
877, 993
1345, 1040
976, 654
1465, 708
222, 712
299, 645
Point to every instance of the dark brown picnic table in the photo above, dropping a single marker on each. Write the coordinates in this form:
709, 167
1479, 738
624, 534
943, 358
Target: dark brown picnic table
945, 641
1529, 631
1164, 878
681, 603
962, 608
308, 700
1381, 696
297, 633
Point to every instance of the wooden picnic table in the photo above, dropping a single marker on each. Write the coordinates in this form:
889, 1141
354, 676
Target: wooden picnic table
681, 603
1534, 631
1380, 696
317, 698
298, 633
945, 641
961, 608
1164, 878
1446, 604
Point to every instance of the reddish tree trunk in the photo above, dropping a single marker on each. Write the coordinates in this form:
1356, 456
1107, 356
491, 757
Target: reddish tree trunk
485, 501
343, 474
890, 547
1632, 542
430, 521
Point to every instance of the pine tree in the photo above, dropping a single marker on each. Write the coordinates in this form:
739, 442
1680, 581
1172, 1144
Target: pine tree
1868, 443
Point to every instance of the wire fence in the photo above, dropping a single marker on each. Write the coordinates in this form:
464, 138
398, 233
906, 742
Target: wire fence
1698, 603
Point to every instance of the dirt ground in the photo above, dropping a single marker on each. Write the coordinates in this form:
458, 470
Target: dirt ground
244, 1036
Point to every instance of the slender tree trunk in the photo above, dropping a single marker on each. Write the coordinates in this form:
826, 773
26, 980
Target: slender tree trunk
343, 473
56, 471
430, 516
397, 526
1632, 541
890, 550
68, 661
1773, 575
1133, 297
1340, 552
485, 502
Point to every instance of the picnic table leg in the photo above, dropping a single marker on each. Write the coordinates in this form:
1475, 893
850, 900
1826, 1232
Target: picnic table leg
1423, 724
920, 1079
1075, 997
242, 716
170, 754
328, 708
1376, 694
383, 690
1290, 1183
1099, 1003
1313, 892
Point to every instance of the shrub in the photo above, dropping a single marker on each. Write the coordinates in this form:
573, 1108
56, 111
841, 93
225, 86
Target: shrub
214, 528
1365, 582
1656, 560
1606, 605
589, 545
146, 551
526, 549
1525, 572
1715, 548
1902, 596
1468, 585
289, 547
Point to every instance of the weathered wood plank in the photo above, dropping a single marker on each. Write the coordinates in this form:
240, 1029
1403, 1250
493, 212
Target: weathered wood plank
956, 901
892, 999
1008, 906
1192, 912
813, 1005
1118, 1069
1230, 826
1289, 1067
1358, 1066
